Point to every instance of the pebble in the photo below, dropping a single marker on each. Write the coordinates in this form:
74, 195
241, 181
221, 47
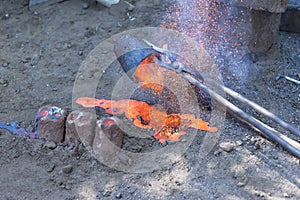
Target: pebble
51, 168
227, 146
239, 143
256, 146
178, 183
85, 5
130, 8
286, 195
119, 195
67, 187
259, 194
5, 64
6, 16
80, 53
106, 193
3, 82
242, 182
69, 45
67, 169
50, 145
26, 60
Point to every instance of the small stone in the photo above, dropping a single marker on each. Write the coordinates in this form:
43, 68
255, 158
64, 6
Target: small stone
67, 187
51, 168
178, 183
106, 193
50, 145
184, 140
6, 16
3, 82
241, 184
80, 53
260, 194
131, 190
26, 60
85, 5
69, 45
5, 64
239, 143
119, 195
235, 175
227, 146
67, 169
286, 195
256, 146
130, 8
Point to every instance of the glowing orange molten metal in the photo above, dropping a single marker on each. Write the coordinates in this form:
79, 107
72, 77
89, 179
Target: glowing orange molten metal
143, 115
150, 75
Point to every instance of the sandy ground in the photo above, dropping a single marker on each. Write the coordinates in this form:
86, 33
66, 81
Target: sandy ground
41, 51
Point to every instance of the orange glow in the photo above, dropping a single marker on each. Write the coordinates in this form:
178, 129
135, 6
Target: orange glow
143, 115
87, 102
150, 75
149, 72
166, 126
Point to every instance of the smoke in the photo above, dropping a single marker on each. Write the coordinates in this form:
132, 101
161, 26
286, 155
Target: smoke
222, 28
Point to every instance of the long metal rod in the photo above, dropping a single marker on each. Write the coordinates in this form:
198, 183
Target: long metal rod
289, 144
262, 110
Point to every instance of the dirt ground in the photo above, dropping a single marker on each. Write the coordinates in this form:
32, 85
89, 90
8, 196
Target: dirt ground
41, 52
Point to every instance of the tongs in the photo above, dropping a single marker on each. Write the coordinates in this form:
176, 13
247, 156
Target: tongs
174, 62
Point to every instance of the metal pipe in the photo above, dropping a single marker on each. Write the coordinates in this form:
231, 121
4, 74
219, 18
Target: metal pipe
287, 143
262, 110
